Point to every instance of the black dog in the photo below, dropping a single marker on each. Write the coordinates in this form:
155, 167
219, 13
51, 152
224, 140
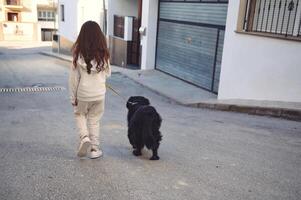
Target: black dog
143, 126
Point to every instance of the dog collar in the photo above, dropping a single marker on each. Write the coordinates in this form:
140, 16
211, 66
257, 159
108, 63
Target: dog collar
132, 103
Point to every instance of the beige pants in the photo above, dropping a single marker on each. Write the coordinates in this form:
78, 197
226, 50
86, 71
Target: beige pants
87, 116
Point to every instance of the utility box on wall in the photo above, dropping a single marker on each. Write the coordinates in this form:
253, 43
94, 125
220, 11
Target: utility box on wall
55, 43
128, 28
123, 27
123, 41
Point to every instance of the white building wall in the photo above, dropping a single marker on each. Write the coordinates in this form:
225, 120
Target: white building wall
32, 15
78, 12
48, 5
69, 27
47, 24
2, 16
258, 68
26, 31
90, 10
26, 16
148, 41
26, 28
122, 8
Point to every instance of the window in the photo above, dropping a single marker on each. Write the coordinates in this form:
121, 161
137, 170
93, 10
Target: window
13, 17
13, 2
62, 13
46, 15
273, 17
118, 26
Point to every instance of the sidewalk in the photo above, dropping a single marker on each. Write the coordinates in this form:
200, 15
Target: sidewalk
189, 95
25, 44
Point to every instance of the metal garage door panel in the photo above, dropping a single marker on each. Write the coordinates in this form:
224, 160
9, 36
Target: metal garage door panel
190, 40
187, 52
209, 13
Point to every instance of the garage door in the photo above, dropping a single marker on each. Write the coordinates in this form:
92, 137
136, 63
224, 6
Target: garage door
190, 40
47, 34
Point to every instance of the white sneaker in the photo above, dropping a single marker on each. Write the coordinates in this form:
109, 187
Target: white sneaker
95, 153
83, 147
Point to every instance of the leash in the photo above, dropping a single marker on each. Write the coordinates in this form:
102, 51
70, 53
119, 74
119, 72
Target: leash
115, 92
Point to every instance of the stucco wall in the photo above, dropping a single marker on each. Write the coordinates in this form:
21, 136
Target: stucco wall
69, 27
258, 68
148, 41
26, 28
19, 31
2, 17
120, 7
31, 16
90, 10
65, 45
76, 13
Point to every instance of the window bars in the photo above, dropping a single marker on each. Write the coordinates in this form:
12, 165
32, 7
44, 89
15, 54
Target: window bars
281, 17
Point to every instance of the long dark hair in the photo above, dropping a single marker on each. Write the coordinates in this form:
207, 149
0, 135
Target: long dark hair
91, 44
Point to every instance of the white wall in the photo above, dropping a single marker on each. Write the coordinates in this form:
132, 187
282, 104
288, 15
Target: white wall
2, 16
26, 28
26, 31
258, 68
26, 16
32, 15
148, 42
69, 27
46, 2
90, 10
47, 24
120, 7
76, 13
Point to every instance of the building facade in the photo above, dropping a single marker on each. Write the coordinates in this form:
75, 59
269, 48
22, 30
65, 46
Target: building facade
28, 20
182, 38
261, 59
47, 18
244, 49
18, 20
71, 15
124, 20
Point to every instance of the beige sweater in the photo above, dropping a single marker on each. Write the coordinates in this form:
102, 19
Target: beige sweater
87, 87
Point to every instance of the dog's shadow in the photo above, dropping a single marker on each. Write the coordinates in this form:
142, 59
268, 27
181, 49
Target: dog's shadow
125, 152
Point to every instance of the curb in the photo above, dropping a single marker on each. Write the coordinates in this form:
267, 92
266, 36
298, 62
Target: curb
283, 113
55, 56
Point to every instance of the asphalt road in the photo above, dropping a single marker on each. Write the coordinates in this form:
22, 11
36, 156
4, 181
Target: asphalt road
204, 154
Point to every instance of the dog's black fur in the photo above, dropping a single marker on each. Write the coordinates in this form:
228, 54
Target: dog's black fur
143, 126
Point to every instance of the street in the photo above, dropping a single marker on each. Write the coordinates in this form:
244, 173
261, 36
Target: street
205, 154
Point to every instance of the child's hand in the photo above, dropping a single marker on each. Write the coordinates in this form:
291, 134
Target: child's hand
75, 103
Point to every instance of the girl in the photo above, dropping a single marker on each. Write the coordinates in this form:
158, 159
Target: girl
87, 85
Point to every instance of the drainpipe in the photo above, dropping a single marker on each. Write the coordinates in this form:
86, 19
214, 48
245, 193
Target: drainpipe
58, 36
104, 28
